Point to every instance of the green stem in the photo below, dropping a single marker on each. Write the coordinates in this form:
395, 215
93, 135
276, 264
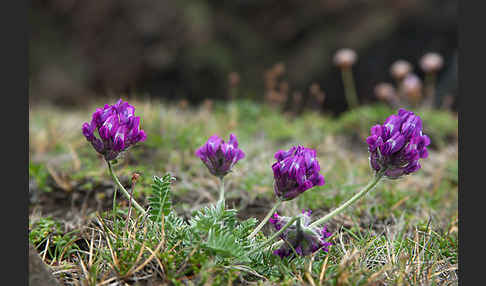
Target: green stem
221, 190
356, 197
267, 217
124, 191
275, 235
349, 88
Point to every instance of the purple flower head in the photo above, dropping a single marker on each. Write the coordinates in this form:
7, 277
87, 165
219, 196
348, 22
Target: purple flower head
397, 145
304, 240
117, 129
220, 156
295, 171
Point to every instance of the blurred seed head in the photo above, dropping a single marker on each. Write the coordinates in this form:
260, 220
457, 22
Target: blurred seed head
314, 88
270, 80
345, 58
135, 177
234, 79
400, 69
412, 86
279, 69
431, 62
385, 91
317, 93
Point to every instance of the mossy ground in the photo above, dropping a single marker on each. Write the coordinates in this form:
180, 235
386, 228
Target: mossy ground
404, 232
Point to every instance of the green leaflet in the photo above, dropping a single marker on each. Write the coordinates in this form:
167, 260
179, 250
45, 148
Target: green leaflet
160, 202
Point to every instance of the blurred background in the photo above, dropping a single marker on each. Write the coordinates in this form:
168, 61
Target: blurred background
195, 50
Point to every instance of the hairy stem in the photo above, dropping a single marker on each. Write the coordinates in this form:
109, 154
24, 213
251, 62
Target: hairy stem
221, 190
352, 200
124, 191
264, 221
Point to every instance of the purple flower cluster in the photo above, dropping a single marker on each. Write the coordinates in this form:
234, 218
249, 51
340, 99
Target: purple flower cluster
396, 146
220, 156
117, 128
304, 240
296, 171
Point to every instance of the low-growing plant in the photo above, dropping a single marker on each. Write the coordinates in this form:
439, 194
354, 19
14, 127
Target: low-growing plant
40, 175
213, 239
46, 235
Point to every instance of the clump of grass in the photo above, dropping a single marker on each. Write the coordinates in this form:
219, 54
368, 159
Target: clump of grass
54, 245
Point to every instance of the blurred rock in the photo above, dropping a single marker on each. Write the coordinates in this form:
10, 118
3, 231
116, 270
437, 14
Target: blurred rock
39, 275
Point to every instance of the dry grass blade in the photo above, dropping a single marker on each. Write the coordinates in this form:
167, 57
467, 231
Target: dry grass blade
187, 259
323, 269
308, 273
309, 277
139, 256
62, 183
74, 154
45, 250
108, 241
175, 245
150, 257
90, 260
104, 282
83, 267
246, 269
399, 203
453, 268
157, 259
375, 275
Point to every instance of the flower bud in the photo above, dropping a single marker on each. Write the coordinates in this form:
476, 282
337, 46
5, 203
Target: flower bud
385, 91
117, 128
233, 79
396, 146
431, 62
295, 171
220, 156
412, 86
400, 69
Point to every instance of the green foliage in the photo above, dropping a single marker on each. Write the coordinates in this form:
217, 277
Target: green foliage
43, 228
440, 125
453, 171
46, 233
40, 174
212, 217
160, 201
224, 243
358, 121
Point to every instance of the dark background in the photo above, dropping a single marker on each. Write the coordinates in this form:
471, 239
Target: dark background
185, 49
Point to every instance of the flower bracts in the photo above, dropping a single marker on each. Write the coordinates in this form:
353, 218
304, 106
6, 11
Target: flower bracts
303, 239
